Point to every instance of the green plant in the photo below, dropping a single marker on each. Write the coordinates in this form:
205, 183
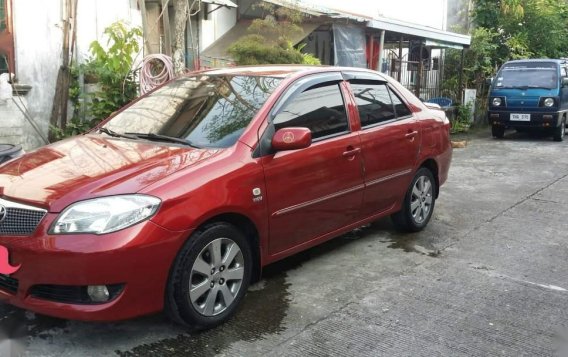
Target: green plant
254, 49
75, 126
269, 41
112, 70
462, 119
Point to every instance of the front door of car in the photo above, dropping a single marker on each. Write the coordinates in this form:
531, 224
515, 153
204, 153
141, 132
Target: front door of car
319, 189
390, 140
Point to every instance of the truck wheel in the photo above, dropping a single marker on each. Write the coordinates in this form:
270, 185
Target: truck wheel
497, 131
559, 132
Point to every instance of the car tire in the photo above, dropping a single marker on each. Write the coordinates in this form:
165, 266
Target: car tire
497, 131
418, 203
559, 132
209, 278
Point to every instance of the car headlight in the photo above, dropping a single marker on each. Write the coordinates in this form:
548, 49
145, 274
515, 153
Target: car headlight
496, 102
105, 214
549, 102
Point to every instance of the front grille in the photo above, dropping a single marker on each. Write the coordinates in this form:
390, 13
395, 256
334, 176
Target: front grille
19, 220
60, 293
71, 294
8, 284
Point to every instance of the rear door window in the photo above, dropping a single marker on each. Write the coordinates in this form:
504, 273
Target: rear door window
377, 103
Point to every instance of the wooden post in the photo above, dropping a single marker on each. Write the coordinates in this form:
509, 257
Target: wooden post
145, 29
59, 109
371, 49
460, 86
399, 75
381, 47
167, 31
420, 71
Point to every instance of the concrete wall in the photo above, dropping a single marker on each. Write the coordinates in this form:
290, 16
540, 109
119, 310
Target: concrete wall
37, 41
11, 122
218, 23
38, 38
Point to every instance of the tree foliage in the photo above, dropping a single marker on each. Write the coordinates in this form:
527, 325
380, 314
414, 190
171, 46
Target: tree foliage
269, 40
506, 30
524, 28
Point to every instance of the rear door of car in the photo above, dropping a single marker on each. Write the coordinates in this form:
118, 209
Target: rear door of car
319, 189
390, 140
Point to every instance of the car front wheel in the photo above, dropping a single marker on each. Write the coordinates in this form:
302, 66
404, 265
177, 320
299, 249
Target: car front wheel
418, 203
210, 277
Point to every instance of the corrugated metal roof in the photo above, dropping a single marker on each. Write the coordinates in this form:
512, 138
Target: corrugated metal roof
379, 23
419, 31
316, 10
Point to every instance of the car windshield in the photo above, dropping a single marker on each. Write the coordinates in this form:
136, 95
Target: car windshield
206, 111
528, 75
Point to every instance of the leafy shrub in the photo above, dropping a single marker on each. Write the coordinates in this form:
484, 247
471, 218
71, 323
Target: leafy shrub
254, 49
257, 48
462, 120
112, 70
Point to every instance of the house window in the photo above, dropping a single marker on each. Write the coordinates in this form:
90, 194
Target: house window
6, 37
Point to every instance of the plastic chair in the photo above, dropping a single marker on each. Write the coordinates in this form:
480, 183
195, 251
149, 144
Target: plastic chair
443, 102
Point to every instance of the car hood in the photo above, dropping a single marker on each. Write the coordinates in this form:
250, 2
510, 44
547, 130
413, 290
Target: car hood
92, 166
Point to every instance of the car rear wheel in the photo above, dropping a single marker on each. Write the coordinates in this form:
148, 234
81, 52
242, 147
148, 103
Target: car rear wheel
418, 203
559, 132
210, 277
497, 131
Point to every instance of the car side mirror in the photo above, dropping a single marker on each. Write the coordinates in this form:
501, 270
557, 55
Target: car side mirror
564, 81
291, 139
488, 81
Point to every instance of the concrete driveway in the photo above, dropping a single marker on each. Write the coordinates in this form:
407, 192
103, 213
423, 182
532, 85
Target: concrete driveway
489, 276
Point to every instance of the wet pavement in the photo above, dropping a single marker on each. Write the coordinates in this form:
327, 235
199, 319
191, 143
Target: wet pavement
488, 276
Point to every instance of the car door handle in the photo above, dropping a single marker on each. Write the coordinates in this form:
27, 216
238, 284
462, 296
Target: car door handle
411, 134
351, 151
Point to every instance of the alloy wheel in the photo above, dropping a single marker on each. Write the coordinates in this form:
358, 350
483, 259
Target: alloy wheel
216, 276
421, 199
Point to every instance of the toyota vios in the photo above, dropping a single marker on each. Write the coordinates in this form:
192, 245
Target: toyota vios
176, 202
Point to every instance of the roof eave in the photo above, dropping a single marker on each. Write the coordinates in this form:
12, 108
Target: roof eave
420, 31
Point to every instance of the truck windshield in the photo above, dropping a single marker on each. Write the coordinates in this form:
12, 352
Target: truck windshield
205, 111
528, 75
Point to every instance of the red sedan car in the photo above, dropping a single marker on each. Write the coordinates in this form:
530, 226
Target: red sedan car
177, 202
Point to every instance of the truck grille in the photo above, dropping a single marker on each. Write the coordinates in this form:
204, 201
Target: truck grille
17, 219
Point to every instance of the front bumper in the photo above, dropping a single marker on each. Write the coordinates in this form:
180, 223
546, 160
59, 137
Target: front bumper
537, 119
138, 258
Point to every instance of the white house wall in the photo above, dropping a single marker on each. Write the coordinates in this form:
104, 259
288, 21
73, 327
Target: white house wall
38, 40
93, 16
218, 23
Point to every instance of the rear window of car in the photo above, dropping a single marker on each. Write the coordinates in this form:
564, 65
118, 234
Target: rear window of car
377, 103
209, 111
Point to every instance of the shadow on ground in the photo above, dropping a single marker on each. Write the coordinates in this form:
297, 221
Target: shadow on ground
262, 312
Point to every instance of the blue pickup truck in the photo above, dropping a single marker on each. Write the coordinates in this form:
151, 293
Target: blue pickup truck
530, 95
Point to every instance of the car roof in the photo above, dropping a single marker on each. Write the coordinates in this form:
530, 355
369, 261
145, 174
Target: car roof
280, 71
536, 60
